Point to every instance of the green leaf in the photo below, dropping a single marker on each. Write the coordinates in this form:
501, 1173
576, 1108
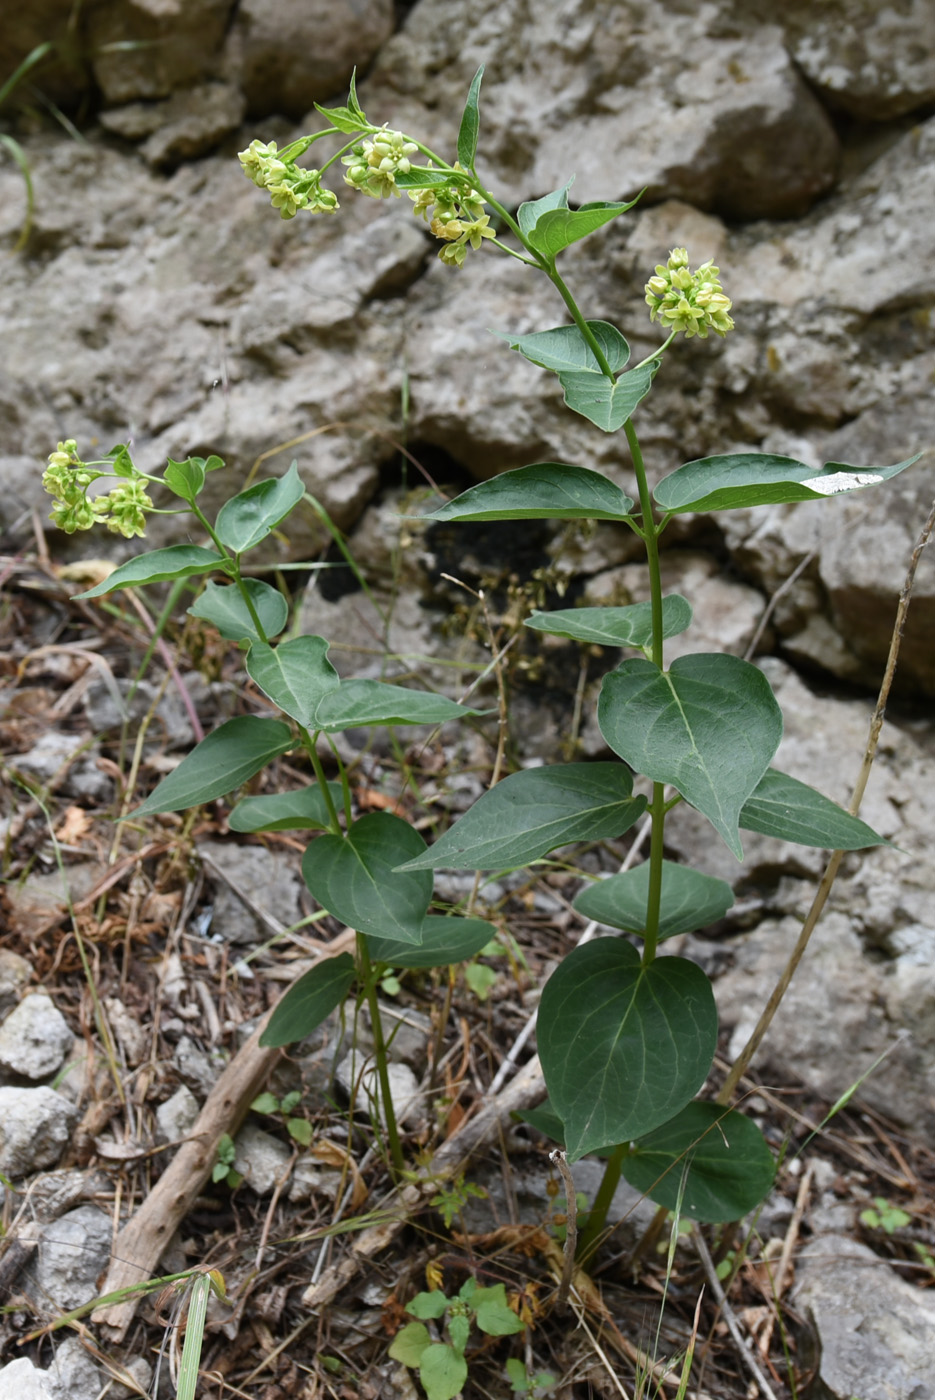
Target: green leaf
186, 478
362, 702
606, 403
615, 627
545, 491
445, 940
459, 1330
727, 1165
300, 1130
302, 810
157, 566
296, 675
761, 479
409, 1344
530, 813
709, 726
565, 348
220, 763
782, 806
248, 518
355, 877
265, 1103
420, 177
493, 1314
428, 1306
223, 606
623, 1046
310, 1000
529, 214
689, 901
442, 1371
349, 118
555, 229
470, 123
122, 461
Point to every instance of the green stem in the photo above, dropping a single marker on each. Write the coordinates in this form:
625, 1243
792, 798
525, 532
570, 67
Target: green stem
657, 807
309, 744
597, 1216
368, 978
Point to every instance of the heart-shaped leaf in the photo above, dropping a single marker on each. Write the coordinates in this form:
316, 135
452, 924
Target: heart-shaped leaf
760, 479
445, 940
530, 813
782, 806
158, 566
310, 1000
709, 726
529, 214
608, 403
565, 348
546, 491
623, 1046
302, 810
296, 675
224, 607
557, 228
247, 518
631, 626
709, 1161
689, 900
219, 764
355, 877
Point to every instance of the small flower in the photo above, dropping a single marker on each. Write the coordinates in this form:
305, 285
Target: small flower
453, 254
372, 165
693, 302
124, 509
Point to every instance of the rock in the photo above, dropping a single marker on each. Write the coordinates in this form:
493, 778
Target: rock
262, 1159
15, 973
34, 1038
149, 48
181, 127
876, 1331
290, 54
61, 74
73, 1252
870, 60
198, 1068
53, 752
171, 721
268, 879
175, 1117
73, 1374
35, 1127
719, 120
361, 1084
21, 1380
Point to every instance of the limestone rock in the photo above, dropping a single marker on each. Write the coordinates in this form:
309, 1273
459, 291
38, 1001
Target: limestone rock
35, 1126
149, 48
876, 1331
269, 879
292, 53
358, 1077
181, 127
175, 1117
73, 1252
21, 1380
261, 1159
34, 1038
15, 972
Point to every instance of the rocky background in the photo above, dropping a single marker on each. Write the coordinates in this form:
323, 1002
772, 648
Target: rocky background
160, 299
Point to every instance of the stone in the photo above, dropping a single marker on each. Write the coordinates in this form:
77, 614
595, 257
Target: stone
34, 1038
876, 1331
73, 1252
176, 1116
15, 973
261, 1159
170, 725
182, 127
73, 1374
35, 1128
21, 1380
53, 752
196, 1066
289, 54
149, 48
359, 1080
268, 878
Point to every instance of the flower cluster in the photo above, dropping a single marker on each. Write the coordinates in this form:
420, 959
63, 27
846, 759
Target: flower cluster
455, 214
291, 187
67, 479
372, 165
693, 302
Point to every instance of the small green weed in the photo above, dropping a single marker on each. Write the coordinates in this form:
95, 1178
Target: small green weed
442, 1367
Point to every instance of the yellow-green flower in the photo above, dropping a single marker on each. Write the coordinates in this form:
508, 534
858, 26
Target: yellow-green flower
693, 302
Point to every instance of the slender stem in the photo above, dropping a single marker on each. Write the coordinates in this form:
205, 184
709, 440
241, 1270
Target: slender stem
368, 978
597, 1216
309, 744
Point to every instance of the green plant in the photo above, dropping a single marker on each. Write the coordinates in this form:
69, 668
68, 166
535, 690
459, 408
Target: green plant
442, 1367
299, 1129
522, 1383
450, 1200
626, 1037
223, 1169
884, 1216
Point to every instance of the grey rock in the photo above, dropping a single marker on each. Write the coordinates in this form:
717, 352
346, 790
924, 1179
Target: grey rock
182, 127
196, 1066
148, 48
73, 1251
21, 1380
876, 1331
175, 1117
170, 725
35, 1126
54, 751
15, 972
358, 1078
269, 880
261, 1159
34, 1038
73, 1374
291, 53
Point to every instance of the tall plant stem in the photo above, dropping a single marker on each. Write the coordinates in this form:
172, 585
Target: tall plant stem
597, 1216
365, 967
657, 807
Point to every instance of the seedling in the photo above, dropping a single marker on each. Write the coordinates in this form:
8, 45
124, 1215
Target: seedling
442, 1367
299, 1129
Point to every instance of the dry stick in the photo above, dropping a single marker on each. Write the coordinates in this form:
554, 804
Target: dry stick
785, 1258
739, 1066
571, 1226
727, 1312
